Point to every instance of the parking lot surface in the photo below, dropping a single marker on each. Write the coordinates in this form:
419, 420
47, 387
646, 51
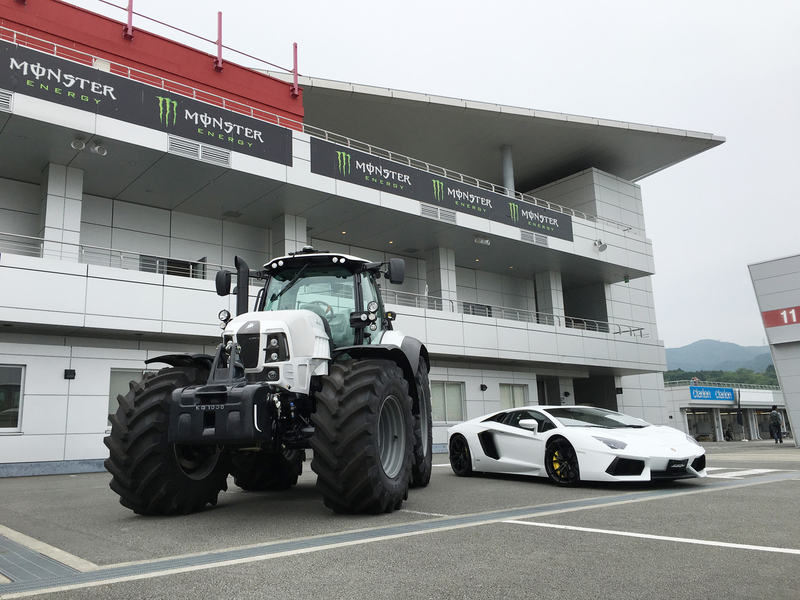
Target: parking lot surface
733, 534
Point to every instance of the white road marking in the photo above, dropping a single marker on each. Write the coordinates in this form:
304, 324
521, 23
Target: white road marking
745, 473
58, 555
648, 536
418, 512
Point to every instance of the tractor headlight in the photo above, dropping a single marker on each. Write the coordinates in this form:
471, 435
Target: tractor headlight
277, 349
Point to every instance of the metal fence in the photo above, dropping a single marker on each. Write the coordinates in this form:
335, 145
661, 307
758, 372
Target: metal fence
107, 257
741, 386
503, 312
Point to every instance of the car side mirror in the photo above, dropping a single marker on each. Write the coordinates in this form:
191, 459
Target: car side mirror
397, 271
223, 282
530, 424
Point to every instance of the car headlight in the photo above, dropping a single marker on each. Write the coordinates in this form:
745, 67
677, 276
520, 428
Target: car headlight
694, 441
614, 444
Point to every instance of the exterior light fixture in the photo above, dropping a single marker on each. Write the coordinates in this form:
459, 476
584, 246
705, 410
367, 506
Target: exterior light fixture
482, 240
98, 149
601, 247
78, 144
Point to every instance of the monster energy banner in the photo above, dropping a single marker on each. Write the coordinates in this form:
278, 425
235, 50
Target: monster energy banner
71, 84
374, 172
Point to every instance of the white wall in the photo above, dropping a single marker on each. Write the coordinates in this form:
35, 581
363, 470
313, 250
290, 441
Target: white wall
66, 420
158, 232
19, 207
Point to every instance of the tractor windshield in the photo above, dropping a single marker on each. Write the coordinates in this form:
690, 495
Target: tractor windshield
326, 290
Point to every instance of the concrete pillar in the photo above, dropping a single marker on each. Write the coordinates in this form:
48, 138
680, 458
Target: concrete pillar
60, 210
440, 265
508, 168
567, 390
550, 297
717, 420
288, 235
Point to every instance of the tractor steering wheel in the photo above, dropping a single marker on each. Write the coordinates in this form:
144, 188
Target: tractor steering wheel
328, 307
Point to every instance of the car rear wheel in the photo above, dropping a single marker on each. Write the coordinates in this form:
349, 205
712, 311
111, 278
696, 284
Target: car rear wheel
460, 459
561, 462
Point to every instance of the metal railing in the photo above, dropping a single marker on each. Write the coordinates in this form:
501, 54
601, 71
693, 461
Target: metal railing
25, 245
409, 299
90, 60
743, 386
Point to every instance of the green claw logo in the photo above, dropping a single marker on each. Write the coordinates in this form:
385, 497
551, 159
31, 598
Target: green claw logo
167, 108
344, 162
514, 208
438, 190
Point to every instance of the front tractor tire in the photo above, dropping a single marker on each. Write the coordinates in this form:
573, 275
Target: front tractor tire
363, 437
267, 470
152, 476
423, 431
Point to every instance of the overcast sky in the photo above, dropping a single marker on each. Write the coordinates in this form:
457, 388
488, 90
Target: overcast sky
727, 67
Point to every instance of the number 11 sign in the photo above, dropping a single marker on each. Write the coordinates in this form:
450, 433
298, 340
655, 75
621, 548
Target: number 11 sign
781, 316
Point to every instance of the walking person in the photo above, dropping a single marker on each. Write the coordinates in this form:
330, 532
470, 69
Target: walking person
776, 425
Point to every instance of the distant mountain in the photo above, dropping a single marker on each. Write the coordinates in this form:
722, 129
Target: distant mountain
711, 355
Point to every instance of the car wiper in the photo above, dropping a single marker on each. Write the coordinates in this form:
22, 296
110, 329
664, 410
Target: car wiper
636, 426
294, 280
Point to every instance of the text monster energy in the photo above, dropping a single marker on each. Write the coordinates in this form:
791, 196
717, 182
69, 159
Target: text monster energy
514, 208
167, 108
438, 190
343, 159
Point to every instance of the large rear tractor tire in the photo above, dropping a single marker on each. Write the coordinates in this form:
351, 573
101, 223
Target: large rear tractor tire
363, 437
152, 476
423, 431
267, 471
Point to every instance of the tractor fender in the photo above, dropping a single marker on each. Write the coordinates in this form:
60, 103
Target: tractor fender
200, 361
403, 350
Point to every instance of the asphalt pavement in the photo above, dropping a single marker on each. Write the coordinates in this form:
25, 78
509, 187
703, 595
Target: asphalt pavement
733, 534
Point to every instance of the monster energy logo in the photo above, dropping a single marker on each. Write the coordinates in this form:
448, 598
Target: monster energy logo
438, 190
344, 162
167, 107
514, 211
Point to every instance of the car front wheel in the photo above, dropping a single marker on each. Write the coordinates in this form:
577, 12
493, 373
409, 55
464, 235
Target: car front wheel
561, 462
460, 459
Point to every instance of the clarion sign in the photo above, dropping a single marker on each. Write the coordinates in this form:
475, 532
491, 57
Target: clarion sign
363, 169
54, 79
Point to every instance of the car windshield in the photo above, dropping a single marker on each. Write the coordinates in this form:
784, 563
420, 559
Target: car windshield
588, 416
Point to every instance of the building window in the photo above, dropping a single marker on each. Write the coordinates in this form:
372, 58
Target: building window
10, 397
120, 385
447, 401
513, 395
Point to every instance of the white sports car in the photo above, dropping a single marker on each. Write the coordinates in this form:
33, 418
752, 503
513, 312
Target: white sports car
573, 443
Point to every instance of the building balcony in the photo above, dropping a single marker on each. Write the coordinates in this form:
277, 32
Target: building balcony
68, 289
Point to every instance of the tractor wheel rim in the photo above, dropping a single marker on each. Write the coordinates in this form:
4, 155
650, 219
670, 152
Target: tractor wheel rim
391, 436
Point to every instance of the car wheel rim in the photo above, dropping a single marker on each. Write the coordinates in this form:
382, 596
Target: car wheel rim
563, 464
459, 455
391, 436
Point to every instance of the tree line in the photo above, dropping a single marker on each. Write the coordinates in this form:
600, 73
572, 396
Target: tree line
741, 375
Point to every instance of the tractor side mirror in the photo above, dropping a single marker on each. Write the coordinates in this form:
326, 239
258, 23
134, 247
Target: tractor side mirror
223, 282
397, 271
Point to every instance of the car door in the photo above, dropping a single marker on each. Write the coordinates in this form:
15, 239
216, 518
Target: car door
520, 450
